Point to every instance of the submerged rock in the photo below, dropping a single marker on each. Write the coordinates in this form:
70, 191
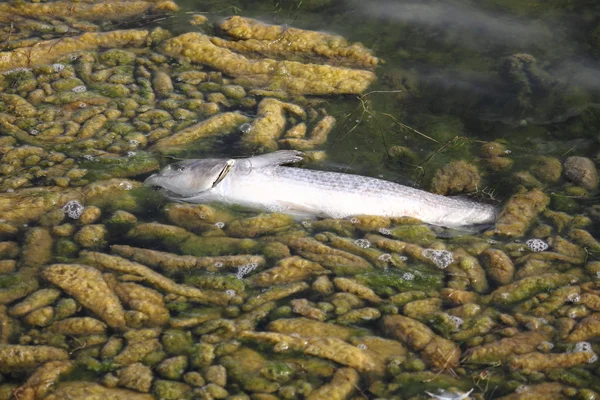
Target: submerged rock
582, 171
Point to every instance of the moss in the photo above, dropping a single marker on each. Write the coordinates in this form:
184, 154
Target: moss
417, 279
417, 234
278, 371
120, 167
177, 342
216, 282
117, 57
171, 390
564, 203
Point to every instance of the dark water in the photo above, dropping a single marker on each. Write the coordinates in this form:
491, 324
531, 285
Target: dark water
449, 71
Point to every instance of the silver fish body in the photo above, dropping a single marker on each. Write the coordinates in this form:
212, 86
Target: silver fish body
262, 183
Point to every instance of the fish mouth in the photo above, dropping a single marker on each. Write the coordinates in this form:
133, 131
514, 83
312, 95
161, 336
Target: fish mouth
150, 181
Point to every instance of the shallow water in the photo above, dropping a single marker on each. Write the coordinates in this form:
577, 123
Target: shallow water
483, 99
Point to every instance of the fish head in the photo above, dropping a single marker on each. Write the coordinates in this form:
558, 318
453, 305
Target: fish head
191, 177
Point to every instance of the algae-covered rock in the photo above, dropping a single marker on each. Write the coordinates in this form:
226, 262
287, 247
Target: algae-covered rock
89, 288
135, 376
342, 385
182, 241
215, 126
528, 287
22, 358
290, 76
309, 328
260, 225
118, 264
522, 343
145, 300
519, 212
91, 236
587, 328
172, 368
536, 361
244, 366
44, 378
456, 177
323, 347
499, 266
38, 299
350, 286
274, 293
288, 270
78, 326
440, 353
80, 390
37, 249
547, 169
550, 390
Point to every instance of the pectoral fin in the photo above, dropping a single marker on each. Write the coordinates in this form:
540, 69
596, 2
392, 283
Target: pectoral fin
276, 158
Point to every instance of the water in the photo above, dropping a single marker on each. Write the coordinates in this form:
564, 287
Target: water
486, 99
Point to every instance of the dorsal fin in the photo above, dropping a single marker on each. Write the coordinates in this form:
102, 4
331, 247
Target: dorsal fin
276, 158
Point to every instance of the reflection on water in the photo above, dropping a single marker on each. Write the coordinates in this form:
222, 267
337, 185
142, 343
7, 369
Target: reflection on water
107, 289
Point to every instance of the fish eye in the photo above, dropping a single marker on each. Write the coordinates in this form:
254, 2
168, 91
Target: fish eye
178, 167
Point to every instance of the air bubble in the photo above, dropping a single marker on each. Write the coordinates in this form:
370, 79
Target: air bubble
362, 346
441, 258
362, 243
126, 185
545, 345
79, 89
574, 298
131, 153
220, 225
354, 220
385, 257
218, 264
306, 224
34, 132
407, 276
245, 128
536, 245
73, 209
245, 270
582, 347
58, 67
384, 231
230, 292
457, 321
